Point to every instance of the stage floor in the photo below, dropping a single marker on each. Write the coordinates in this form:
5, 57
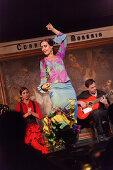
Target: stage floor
86, 155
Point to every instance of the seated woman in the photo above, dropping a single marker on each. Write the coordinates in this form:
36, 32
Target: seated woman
31, 111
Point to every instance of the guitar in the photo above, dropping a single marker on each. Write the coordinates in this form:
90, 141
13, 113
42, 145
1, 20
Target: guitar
92, 104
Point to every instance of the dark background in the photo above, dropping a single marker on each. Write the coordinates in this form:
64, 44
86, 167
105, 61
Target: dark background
24, 19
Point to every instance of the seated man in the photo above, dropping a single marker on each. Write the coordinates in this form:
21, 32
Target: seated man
96, 114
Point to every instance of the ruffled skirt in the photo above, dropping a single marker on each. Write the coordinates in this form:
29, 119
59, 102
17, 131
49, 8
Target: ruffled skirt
63, 96
60, 126
34, 138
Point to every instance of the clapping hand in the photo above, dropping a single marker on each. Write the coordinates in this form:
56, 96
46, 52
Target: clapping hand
29, 111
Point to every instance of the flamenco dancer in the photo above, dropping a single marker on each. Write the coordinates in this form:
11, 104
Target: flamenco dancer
61, 120
31, 111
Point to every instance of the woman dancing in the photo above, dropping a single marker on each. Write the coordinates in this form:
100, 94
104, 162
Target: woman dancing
31, 111
55, 80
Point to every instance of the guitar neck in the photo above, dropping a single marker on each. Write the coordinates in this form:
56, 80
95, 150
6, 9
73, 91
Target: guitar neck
96, 101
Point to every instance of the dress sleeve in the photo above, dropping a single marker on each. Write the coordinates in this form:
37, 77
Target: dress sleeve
38, 111
62, 40
18, 107
43, 75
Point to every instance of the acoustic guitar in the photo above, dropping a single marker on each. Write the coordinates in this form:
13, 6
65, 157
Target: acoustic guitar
92, 104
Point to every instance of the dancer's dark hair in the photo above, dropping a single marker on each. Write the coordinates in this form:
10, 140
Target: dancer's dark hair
49, 41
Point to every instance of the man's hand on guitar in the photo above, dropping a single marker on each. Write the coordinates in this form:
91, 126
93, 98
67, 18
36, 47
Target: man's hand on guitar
82, 104
104, 101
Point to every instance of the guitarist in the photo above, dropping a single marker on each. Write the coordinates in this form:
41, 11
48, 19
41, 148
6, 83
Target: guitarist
98, 116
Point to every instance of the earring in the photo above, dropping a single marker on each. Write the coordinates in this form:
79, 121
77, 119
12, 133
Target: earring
51, 50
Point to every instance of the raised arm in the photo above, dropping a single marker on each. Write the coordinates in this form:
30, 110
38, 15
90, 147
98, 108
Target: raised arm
60, 39
51, 28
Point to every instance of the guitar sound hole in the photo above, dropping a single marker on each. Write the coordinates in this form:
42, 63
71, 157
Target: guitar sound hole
90, 104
